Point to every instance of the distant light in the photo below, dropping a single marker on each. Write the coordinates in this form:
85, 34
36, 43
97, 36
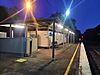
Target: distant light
69, 31
66, 29
68, 12
73, 33
15, 26
12, 33
59, 26
18, 26
98, 33
7, 25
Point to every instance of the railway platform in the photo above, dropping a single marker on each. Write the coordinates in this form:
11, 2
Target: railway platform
84, 67
71, 61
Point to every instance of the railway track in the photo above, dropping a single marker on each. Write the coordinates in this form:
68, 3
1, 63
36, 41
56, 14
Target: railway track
97, 52
94, 59
97, 58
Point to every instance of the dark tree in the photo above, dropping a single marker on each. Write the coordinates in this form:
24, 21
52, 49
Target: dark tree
12, 11
92, 35
3, 13
58, 16
69, 22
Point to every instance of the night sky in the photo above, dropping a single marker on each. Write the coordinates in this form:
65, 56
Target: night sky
87, 14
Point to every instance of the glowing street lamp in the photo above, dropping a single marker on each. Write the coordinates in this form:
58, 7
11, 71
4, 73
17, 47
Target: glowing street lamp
66, 29
67, 12
60, 26
28, 5
53, 37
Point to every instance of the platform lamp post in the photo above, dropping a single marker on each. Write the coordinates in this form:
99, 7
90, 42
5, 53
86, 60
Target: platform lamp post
27, 10
53, 37
67, 14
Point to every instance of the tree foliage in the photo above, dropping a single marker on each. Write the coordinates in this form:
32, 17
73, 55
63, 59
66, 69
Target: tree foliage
3, 13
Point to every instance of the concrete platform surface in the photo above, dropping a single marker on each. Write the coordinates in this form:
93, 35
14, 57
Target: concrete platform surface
39, 63
84, 63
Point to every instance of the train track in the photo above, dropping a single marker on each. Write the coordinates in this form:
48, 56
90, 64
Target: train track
97, 58
97, 52
94, 60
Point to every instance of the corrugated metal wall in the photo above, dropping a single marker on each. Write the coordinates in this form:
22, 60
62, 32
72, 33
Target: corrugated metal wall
13, 45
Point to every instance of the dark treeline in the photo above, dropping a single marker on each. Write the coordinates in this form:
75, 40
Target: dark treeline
92, 35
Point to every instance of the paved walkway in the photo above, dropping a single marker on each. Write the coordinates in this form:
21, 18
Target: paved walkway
38, 64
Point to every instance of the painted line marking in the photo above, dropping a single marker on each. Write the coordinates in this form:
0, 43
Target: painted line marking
71, 61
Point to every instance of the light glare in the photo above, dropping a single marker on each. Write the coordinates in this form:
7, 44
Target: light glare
60, 26
28, 5
66, 29
18, 26
67, 12
15, 26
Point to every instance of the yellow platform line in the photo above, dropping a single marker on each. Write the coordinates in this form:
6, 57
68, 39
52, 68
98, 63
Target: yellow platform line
71, 61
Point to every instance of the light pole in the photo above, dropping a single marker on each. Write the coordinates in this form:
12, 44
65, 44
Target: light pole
67, 14
28, 5
53, 37
27, 10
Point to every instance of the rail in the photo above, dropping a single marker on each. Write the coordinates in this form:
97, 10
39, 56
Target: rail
98, 53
